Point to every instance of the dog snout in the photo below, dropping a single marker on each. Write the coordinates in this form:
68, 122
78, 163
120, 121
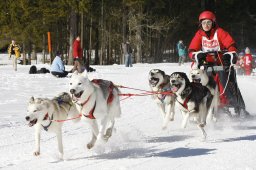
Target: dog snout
193, 76
172, 81
72, 91
27, 118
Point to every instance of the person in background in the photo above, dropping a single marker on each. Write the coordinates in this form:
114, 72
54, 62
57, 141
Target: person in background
211, 38
127, 51
57, 67
247, 59
14, 53
77, 55
181, 52
240, 64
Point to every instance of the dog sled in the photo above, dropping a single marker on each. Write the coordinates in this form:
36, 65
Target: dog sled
231, 100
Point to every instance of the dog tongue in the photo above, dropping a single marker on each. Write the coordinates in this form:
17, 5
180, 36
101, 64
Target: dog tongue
174, 89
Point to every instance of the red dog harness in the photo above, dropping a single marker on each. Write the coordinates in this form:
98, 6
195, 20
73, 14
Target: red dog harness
110, 88
109, 99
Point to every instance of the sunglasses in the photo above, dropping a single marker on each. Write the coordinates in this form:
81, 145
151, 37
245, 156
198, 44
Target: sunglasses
206, 22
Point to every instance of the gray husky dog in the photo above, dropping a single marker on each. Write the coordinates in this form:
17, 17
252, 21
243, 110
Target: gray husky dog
45, 113
160, 82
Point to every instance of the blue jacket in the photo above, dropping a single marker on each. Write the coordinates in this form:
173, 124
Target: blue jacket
181, 49
57, 65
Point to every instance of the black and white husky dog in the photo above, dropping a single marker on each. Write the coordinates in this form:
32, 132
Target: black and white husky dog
193, 99
160, 82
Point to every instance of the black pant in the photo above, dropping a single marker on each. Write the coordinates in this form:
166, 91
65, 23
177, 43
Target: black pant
232, 92
59, 74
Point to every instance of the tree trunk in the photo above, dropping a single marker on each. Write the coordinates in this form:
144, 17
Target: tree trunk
138, 54
97, 40
102, 34
72, 33
24, 54
124, 36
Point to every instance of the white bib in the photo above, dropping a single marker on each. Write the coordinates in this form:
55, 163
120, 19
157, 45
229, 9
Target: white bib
247, 61
210, 45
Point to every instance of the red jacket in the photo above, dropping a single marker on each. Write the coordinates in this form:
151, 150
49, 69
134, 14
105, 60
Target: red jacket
247, 61
77, 50
226, 42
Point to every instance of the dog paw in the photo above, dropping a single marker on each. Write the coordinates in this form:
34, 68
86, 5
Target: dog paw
108, 133
164, 127
89, 145
202, 124
37, 153
214, 119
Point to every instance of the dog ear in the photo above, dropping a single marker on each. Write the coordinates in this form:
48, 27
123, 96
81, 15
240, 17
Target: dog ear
194, 66
202, 68
31, 100
85, 74
162, 72
184, 75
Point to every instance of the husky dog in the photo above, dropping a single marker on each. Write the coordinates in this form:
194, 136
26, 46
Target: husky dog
99, 103
200, 76
160, 82
193, 99
45, 113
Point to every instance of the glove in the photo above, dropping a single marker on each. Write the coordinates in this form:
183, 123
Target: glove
227, 57
200, 57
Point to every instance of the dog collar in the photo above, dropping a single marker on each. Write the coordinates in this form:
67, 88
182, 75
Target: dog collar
45, 118
84, 103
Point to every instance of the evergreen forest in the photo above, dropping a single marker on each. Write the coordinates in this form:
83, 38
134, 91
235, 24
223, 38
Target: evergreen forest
152, 26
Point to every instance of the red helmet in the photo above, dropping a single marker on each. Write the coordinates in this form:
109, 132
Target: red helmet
207, 15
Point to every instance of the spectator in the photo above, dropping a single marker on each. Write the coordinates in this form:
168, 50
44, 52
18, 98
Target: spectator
127, 52
14, 53
77, 55
240, 64
181, 52
57, 67
247, 62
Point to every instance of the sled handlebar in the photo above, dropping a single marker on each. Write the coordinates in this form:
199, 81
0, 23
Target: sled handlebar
216, 54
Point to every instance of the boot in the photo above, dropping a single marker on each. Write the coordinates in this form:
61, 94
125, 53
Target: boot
226, 111
244, 113
237, 111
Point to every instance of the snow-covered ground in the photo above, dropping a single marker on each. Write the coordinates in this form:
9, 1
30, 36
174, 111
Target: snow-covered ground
138, 142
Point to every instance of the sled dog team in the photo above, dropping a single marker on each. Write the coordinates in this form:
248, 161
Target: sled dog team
97, 102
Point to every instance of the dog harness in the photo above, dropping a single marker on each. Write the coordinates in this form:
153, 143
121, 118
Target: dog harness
110, 86
103, 84
163, 88
90, 114
185, 103
46, 118
162, 96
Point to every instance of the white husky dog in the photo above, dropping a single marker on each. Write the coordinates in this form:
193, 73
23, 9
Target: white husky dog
98, 102
45, 113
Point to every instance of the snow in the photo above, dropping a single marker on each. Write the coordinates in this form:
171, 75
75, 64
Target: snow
138, 142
